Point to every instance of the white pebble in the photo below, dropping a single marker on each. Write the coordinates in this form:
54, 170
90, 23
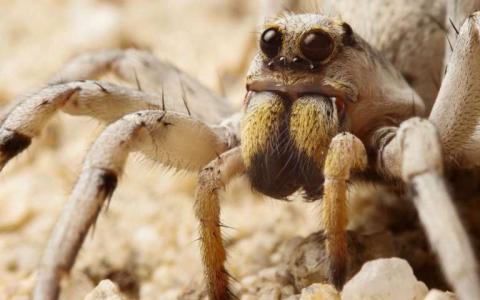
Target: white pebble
386, 279
439, 295
105, 290
421, 290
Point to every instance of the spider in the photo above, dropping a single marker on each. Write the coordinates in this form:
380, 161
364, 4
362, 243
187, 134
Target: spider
322, 108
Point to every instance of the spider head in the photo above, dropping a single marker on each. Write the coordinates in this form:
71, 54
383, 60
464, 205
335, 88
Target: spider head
310, 54
297, 89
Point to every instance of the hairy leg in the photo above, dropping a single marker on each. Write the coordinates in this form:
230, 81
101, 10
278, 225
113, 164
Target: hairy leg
414, 154
345, 154
124, 64
143, 71
214, 177
156, 85
101, 100
458, 11
456, 116
456, 112
170, 138
98, 99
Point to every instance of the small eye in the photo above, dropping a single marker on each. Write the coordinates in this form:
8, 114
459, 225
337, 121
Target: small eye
271, 42
317, 45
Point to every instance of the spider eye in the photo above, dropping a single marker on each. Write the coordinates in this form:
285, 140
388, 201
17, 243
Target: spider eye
271, 42
317, 45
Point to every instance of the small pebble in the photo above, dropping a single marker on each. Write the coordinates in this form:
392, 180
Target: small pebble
319, 291
14, 214
439, 295
105, 290
288, 290
386, 279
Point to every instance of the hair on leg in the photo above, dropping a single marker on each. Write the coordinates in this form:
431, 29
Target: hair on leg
414, 154
165, 137
345, 154
212, 178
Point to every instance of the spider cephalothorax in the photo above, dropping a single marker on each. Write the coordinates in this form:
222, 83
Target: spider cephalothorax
301, 87
345, 68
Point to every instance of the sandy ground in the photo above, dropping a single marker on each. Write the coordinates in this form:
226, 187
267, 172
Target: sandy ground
146, 241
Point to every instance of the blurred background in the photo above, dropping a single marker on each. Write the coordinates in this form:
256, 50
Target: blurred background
146, 241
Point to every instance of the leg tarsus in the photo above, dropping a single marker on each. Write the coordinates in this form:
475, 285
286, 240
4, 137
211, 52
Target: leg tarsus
337, 267
345, 154
207, 209
82, 210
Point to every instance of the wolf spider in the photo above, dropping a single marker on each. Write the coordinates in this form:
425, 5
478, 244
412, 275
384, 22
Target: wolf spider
322, 107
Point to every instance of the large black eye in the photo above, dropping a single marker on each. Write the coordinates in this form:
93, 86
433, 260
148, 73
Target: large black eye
316, 45
271, 42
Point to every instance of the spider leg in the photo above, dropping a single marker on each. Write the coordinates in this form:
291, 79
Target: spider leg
145, 72
88, 66
101, 100
214, 177
457, 12
413, 153
170, 138
140, 68
456, 111
345, 154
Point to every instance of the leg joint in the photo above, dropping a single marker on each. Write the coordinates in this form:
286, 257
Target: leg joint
420, 148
